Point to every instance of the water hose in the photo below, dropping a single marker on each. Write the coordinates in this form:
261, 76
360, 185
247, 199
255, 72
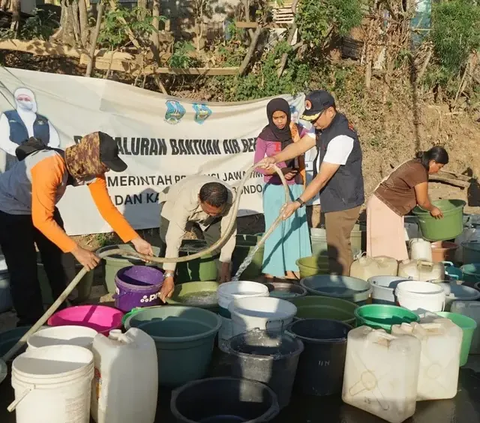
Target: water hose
119, 251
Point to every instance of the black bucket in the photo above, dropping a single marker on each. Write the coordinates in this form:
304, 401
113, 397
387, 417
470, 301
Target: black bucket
267, 358
321, 366
224, 400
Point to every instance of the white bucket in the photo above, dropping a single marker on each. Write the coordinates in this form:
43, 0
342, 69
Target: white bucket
53, 385
226, 293
269, 313
420, 297
79, 336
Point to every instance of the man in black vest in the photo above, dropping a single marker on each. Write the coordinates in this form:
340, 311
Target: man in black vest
339, 177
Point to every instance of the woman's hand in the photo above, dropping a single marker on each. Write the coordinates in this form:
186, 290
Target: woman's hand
266, 163
86, 258
289, 209
142, 246
436, 213
290, 175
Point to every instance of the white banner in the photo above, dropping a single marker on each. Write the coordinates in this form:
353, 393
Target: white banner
161, 138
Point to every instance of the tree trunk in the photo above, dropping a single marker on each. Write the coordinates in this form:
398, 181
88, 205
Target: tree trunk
4, 4
143, 6
82, 11
156, 25
76, 24
251, 51
15, 8
93, 44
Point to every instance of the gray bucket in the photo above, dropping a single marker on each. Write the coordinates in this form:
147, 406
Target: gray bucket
267, 358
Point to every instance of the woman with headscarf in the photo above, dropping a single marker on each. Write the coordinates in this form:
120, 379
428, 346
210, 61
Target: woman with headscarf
291, 240
29, 192
402, 190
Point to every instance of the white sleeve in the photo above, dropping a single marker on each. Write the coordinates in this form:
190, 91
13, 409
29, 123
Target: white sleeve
339, 150
311, 133
54, 140
5, 144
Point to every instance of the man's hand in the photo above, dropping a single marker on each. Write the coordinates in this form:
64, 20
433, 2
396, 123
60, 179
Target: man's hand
142, 246
289, 209
86, 258
167, 289
225, 273
436, 213
266, 163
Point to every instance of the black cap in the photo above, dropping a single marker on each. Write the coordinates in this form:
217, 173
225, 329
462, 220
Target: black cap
109, 153
315, 103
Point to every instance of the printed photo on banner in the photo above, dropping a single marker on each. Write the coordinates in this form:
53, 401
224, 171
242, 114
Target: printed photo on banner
23, 121
175, 112
202, 112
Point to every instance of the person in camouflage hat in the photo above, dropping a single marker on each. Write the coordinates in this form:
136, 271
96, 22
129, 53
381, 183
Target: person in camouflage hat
29, 192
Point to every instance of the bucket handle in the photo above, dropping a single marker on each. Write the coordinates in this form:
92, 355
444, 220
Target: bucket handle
424, 263
17, 401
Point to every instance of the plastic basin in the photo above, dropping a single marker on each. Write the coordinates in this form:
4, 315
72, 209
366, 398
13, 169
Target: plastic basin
318, 307
196, 294
344, 287
455, 292
101, 318
441, 229
243, 247
471, 273
313, 265
383, 288
286, 291
471, 252
468, 326
382, 316
184, 337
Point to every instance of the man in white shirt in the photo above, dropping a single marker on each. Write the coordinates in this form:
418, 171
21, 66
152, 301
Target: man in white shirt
198, 200
339, 177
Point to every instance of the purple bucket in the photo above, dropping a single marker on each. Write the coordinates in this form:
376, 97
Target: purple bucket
137, 286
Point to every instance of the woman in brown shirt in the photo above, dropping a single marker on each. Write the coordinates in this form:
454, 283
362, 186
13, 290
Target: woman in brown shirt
396, 196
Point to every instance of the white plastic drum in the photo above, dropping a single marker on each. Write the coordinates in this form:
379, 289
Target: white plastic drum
226, 293
79, 336
420, 297
53, 385
270, 314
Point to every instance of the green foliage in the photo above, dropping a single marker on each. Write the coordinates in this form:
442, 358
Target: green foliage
41, 26
455, 34
180, 57
316, 19
264, 81
114, 33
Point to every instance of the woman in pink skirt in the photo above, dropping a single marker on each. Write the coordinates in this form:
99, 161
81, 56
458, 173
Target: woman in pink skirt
405, 188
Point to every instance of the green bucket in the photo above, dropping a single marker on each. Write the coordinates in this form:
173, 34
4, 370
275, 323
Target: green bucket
468, 327
318, 307
382, 316
244, 245
313, 265
200, 269
196, 294
471, 273
84, 287
441, 229
184, 337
